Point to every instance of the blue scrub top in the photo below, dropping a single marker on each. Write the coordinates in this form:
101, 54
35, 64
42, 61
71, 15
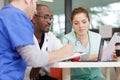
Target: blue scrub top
16, 30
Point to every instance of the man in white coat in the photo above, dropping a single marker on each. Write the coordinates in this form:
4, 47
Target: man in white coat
47, 40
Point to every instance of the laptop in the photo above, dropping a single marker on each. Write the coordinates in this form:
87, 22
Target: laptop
99, 58
81, 53
100, 50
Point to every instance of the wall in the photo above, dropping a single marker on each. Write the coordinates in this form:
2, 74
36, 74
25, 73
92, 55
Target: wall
1, 3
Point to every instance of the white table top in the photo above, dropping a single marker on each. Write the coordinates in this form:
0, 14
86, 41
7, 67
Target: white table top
85, 64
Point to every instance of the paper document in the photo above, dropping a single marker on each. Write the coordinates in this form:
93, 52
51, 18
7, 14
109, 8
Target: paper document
108, 51
73, 56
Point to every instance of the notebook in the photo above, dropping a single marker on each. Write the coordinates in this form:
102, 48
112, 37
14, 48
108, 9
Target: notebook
77, 54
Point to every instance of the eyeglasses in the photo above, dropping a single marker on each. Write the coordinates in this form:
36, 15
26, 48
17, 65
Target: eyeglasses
46, 17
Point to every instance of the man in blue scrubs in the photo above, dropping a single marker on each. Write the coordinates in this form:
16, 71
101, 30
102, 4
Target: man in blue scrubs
17, 46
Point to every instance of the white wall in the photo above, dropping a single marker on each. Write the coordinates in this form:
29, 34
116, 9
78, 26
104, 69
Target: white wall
1, 3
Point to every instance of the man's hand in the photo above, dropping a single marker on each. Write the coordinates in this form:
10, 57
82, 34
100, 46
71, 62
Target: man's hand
63, 52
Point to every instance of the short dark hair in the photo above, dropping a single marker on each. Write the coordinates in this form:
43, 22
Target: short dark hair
39, 6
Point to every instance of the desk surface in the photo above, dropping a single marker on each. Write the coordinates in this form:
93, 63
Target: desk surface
85, 64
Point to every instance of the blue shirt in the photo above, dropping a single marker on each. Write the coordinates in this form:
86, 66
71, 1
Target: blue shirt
91, 48
16, 30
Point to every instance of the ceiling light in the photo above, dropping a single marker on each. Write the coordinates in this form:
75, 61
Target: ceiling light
48, 0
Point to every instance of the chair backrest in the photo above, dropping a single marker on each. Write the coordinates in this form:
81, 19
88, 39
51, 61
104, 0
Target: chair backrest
105, 31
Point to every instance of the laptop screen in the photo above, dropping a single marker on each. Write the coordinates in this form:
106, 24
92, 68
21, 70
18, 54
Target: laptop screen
100, 50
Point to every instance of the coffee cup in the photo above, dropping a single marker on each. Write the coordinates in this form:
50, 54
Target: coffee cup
117, 49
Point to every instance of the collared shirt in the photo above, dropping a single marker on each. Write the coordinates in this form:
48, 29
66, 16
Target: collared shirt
51, 43
15, 30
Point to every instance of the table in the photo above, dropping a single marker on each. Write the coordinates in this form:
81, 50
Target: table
67, 65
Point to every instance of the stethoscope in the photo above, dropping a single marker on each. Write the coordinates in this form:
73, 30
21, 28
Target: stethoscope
89, 43
77, 40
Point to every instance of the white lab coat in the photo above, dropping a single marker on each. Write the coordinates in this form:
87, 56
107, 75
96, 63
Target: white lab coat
50, 43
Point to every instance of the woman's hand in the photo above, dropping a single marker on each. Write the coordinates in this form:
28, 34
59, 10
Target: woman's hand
114, 57
93, 57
